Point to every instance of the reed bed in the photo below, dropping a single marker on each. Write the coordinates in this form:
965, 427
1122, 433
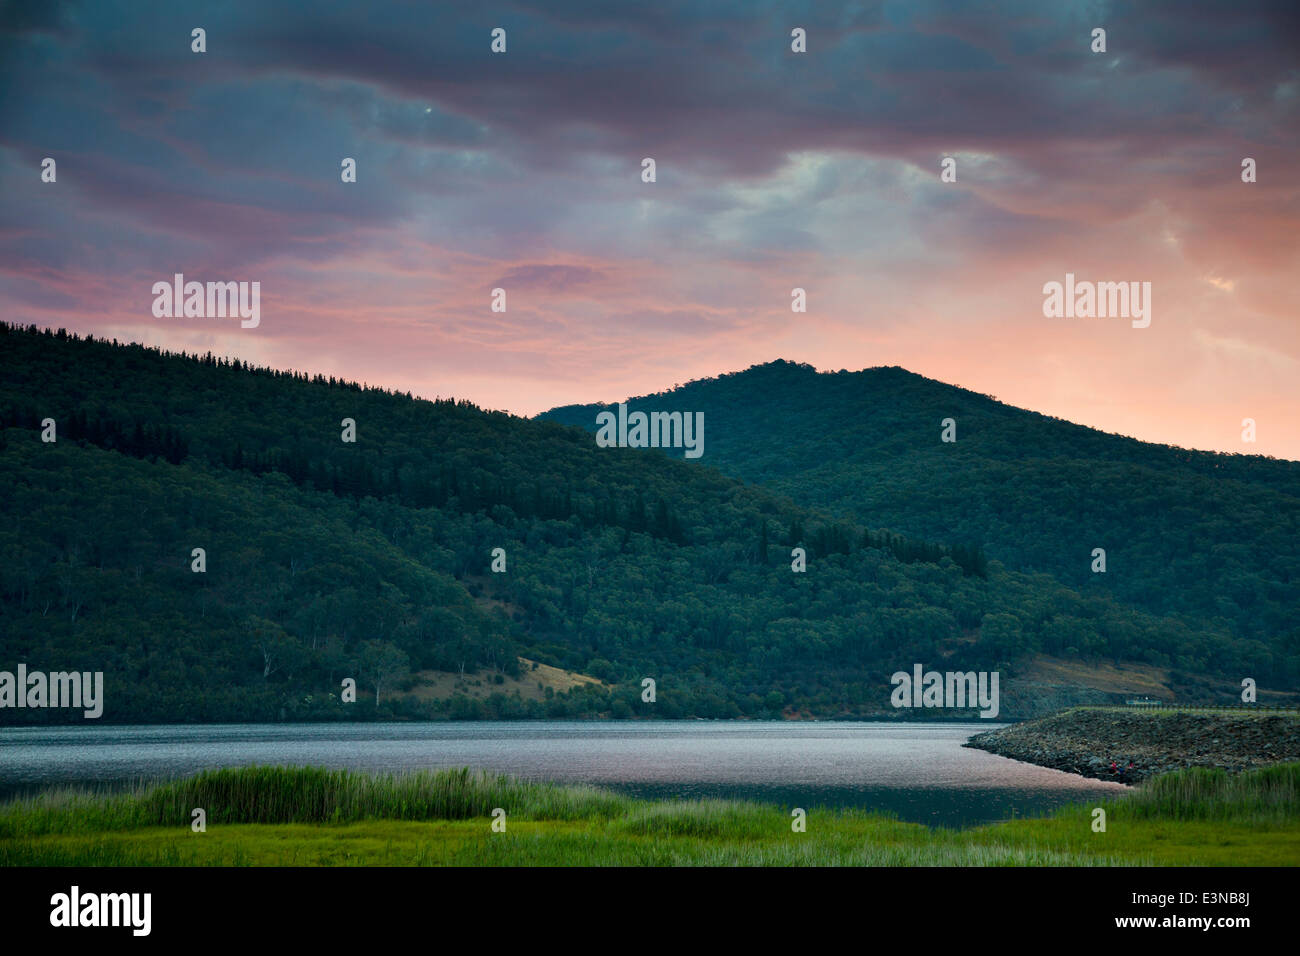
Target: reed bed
305, 795
1222, 819
1264, 795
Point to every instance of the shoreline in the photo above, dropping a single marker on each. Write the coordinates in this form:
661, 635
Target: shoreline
313, 816
1085, 740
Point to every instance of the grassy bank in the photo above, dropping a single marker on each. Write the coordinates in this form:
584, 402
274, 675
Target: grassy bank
309, 816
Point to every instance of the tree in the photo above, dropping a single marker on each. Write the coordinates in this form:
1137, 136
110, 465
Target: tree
384, 665
279, 651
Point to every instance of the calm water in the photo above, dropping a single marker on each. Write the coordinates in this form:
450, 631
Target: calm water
919, 771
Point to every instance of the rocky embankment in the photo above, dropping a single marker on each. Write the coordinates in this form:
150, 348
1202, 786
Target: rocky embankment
1086, 740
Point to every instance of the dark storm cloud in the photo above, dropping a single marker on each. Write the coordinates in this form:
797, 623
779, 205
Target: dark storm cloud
707, 87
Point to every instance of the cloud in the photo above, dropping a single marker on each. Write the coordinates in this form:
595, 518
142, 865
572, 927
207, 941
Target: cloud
775, 170
552, 278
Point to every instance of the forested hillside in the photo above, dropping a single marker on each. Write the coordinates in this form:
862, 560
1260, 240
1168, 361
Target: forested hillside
373, 559
1212, 537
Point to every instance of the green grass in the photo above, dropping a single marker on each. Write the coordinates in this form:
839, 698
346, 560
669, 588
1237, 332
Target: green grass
267, 795
1267, 795
309, 817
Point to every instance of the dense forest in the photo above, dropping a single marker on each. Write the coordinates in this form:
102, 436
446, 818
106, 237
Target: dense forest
1212, 537
373, 559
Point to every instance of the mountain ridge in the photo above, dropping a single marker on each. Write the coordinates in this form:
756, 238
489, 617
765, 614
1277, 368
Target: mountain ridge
620, 564
868, 445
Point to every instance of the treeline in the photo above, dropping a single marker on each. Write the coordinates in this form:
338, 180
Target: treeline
418, 474
1211, 537
307, 582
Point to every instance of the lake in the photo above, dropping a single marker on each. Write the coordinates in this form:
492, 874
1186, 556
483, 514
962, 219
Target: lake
918, 771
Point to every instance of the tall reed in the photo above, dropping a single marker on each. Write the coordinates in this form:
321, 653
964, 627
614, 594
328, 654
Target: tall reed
305, 795
1266, 794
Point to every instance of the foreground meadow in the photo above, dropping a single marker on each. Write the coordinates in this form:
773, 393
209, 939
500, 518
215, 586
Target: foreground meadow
276, 816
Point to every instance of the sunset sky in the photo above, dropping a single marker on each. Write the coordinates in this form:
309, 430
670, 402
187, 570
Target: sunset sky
774, 170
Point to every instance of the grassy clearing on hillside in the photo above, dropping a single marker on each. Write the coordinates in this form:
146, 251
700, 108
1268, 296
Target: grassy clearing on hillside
309, 816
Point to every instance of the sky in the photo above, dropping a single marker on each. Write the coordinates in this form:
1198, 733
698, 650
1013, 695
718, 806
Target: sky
775, 170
